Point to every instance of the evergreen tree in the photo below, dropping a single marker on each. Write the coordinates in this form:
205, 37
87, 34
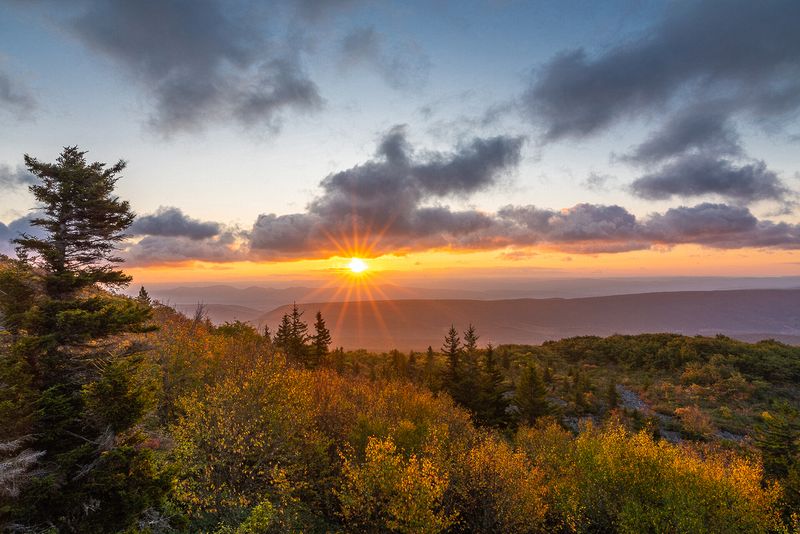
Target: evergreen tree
144, 297
320, 341
95, 476
452, 352
471, 378
284, 333
429, 372
471, 340
298, 336
531, 395
412, 365
493, 403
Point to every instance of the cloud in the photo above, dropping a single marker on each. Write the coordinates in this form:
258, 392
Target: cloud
703, 174
15, 177
391, 204
597, 182
744, 53
172, 222
720, 226
391, 195
14, 97
160, 249
200, 60
401, 68
697, 128
13, 229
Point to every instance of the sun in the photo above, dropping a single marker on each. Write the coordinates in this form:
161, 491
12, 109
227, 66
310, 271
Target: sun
357, 265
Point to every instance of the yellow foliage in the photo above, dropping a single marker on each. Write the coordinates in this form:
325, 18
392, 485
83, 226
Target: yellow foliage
610, 479
387, 492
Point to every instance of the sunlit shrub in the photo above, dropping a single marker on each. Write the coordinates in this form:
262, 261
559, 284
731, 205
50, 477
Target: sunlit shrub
611, 480
388, 492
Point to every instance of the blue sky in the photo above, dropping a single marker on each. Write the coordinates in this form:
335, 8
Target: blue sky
160, 84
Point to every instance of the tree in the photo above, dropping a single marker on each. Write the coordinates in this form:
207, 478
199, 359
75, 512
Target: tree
144, 297
298, 335
452, 351
284, 333
320, 341
531, 395
471, 340
83, 222
493, 403
79, 378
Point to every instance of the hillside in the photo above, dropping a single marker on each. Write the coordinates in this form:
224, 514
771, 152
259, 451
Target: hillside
415, 324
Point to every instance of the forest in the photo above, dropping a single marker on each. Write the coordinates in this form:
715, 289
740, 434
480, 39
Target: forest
120, 414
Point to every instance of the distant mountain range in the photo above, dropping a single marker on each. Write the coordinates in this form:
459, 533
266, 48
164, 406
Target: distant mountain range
226, 302
416, 323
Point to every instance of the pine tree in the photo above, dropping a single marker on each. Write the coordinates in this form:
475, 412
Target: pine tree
471, 340
298, 335
471, 373
284, 333
320, 341
79, 380
144, 297
412, 365
452, 351
531, 395
429, 372
493, 404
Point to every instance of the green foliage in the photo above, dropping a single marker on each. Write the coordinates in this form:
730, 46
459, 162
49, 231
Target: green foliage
73, 378
530, 396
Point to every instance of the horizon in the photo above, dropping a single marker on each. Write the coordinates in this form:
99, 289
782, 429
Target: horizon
438, 175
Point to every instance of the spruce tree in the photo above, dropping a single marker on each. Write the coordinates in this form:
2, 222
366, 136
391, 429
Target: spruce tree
144, 297
452, 351
298, 335
493, 403
284, 333
94, 476
471, 375
531, 395
320, 341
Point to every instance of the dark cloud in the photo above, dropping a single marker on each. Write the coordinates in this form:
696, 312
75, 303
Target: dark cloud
720, 226
702, 174
159, 249
201, 60
15, 177
389, 204
390, 196
401, 67
696, 128
14, 97
172, 222
744, 53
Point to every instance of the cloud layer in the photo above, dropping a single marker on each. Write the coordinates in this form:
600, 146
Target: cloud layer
745, 54
392, 195
201, 60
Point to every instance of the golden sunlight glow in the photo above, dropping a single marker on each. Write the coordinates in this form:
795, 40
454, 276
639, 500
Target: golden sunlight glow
357, 265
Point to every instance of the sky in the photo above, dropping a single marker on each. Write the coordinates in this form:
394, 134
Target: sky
275, 140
